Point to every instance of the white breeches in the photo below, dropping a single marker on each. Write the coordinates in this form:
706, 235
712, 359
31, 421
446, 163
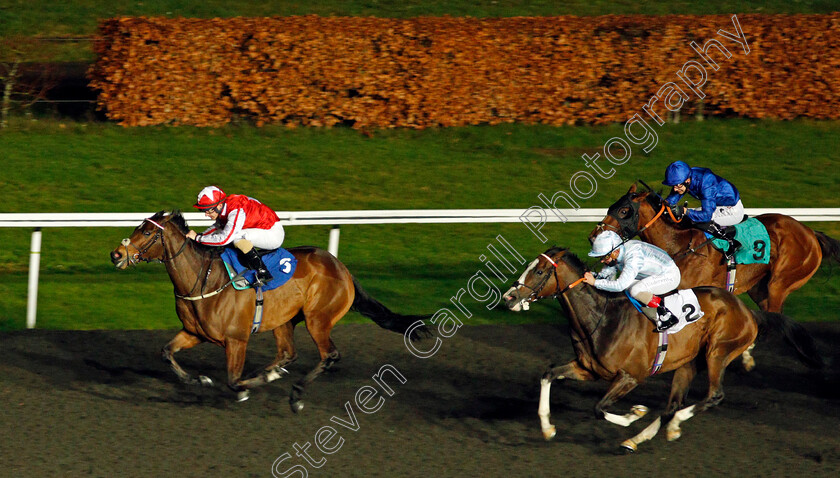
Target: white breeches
728, 215
656, 285
263, 238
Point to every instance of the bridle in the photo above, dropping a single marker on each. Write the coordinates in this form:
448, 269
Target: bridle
535, 291
139, 256
628, 227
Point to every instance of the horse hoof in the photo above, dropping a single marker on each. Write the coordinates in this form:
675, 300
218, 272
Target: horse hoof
749, 365
243, 395
275, 374
549, 433
674, 434
296, 406
628, 447
205, 381
639, 410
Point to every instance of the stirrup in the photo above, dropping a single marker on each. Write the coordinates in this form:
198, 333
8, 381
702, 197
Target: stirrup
263, 276
666, 324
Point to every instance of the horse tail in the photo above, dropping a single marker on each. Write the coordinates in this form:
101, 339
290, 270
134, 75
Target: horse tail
376, 311
793, 333
830, 246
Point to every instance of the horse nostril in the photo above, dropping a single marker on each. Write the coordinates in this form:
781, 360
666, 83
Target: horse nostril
115, 255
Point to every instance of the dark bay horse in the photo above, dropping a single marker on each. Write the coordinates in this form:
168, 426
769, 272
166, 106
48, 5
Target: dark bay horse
319, 293
796, 251
615, 342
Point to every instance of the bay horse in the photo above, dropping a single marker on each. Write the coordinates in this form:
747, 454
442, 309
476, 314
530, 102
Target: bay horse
615, 342
319, 293
796, 251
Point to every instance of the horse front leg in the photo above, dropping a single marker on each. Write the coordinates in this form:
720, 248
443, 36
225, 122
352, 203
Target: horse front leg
621, 385
572, 370
183, 340
235, 354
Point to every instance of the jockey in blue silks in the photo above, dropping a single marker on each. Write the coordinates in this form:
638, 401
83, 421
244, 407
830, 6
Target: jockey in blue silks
720, 204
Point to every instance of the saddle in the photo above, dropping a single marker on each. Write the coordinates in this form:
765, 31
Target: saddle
280, 262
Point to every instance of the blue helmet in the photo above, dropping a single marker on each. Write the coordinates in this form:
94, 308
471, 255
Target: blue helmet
677, 173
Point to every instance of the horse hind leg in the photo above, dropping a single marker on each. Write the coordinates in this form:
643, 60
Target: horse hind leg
320, 332
717, 362
679, 389
286, 354
183, 340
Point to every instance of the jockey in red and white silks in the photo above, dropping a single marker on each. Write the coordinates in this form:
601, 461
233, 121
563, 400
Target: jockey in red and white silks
243, 217
242, 221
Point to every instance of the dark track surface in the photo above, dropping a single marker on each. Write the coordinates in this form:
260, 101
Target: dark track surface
103, 404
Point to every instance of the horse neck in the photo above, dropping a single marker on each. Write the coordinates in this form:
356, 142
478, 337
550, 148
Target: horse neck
667, 237
189, 264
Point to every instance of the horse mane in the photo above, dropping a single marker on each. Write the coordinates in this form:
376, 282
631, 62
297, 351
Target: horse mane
580, 268
178, 220
569, 258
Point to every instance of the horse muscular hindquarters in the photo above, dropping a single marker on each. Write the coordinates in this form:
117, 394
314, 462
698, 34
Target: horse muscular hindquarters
796, 251
615, 342
319, 293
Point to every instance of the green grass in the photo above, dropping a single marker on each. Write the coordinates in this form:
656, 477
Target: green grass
80, 167
19, 18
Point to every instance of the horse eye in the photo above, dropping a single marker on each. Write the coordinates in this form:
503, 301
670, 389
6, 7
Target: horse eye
147, 233
539, 273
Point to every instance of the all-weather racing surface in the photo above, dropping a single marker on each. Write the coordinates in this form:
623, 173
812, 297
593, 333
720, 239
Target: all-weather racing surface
102, 403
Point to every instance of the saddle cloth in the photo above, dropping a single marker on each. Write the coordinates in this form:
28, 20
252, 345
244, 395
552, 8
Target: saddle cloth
684, 305
280, 262
755, 243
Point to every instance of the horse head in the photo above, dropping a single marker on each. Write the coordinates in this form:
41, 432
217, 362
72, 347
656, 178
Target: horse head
630, 214
553, 272
148, 241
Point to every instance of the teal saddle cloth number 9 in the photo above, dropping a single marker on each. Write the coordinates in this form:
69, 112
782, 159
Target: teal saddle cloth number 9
755, 243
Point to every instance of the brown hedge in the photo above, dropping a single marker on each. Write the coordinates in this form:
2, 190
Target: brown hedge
444, 71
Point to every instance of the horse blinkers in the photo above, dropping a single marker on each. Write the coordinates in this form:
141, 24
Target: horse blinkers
626, 213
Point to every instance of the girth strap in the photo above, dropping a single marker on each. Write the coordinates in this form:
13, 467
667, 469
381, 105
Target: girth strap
255, 325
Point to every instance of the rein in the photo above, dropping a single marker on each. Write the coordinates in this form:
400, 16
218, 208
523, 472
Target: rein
133, 259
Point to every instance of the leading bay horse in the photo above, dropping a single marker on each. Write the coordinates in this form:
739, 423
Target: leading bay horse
319, 293
796, 251
615, 342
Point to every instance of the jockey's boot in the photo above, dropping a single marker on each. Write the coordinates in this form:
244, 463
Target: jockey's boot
255, 262
666, 319
660, 316
727, 233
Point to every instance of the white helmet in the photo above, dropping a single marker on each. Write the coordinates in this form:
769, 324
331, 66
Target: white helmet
605, 243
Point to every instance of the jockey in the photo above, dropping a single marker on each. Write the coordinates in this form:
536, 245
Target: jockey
720, 204
240, 220
647, 272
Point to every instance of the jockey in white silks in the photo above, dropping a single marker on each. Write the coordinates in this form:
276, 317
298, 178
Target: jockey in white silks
644, 270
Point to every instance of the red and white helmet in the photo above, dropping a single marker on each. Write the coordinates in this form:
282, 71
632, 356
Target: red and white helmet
209, 197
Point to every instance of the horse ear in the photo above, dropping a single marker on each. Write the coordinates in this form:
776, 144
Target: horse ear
632, 189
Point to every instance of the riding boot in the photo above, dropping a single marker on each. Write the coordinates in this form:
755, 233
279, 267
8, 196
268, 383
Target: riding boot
255, 262
660, 316
650, 313
727, 233
666, 319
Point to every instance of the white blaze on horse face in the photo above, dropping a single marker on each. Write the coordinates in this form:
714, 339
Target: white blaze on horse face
522, 304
